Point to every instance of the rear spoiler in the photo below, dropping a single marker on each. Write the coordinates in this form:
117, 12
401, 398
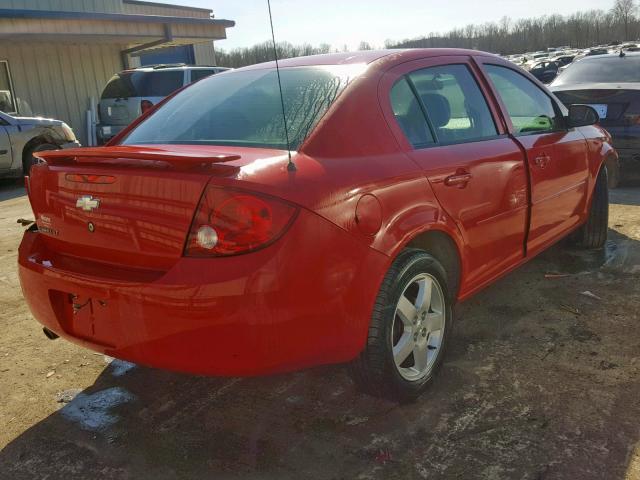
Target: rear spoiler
179, 158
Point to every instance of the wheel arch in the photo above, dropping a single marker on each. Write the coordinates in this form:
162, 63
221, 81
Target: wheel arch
34, 142
444, 247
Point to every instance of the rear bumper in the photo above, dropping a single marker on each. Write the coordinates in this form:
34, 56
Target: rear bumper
303, 301
626, 141
629, 158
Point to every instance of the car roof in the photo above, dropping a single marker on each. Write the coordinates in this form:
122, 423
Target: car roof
366, 56
172, 68
593, 58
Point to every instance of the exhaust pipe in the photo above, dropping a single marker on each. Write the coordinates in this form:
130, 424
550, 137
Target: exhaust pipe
50, 335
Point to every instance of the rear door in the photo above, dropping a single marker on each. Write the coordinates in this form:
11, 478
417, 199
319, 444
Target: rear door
557, 157
445, 124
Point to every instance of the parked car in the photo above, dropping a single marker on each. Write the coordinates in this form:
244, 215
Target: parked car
21, 137
545, 71
611, 84
416, 178
563, 60
130, 93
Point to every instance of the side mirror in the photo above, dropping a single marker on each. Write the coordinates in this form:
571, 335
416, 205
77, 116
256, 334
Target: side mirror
581, 116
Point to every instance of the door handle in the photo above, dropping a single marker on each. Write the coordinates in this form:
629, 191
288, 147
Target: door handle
4, 152
459, 180
542, 160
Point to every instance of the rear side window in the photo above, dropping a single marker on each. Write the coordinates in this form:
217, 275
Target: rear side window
456, 110
408, 113
143, 84
455, 105
200, 74
531, 110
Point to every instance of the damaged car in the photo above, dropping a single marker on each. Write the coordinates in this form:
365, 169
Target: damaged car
22, 137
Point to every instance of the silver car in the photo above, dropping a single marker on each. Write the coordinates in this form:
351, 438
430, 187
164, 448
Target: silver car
20, 137
130, 93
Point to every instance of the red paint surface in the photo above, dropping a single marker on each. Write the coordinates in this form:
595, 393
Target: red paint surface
361, 194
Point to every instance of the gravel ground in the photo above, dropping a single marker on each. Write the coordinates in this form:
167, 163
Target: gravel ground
541, 381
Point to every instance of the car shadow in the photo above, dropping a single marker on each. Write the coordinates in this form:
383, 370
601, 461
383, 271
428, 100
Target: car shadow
534, 386
11, 188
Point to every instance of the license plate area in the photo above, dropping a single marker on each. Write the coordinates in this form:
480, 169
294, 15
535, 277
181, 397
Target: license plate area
601, 108
87, 315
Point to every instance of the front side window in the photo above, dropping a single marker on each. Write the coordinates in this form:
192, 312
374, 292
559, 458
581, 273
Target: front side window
7, 97
531, 110
243, 108
455, 105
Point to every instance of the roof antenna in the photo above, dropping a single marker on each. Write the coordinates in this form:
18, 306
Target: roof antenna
291, 167
622, 54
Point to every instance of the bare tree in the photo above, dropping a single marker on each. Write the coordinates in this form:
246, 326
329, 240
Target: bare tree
579, 30
624, 11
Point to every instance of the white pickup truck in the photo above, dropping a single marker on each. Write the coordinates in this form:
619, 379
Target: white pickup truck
20, 137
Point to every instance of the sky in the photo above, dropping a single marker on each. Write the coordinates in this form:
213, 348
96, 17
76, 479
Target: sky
348, 22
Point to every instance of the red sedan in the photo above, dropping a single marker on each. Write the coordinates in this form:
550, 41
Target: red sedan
192, 242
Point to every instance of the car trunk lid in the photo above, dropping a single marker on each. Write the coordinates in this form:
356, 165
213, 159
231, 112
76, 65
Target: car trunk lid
618, 105
123, 205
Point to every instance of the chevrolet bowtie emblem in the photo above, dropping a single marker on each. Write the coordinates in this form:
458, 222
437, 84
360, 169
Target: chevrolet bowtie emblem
87, 203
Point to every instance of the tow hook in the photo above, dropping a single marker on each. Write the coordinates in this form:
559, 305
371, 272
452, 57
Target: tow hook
24, 222
50, 335
78, 306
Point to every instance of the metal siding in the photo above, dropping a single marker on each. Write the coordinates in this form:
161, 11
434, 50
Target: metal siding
102, 6
59, 80
204, 53
168, 11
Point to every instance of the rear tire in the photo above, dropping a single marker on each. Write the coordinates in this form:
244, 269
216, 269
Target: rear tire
409, 330
593, 234
30, 160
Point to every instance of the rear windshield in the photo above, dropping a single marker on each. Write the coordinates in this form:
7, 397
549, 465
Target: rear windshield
243, 108
143, 84
602, 70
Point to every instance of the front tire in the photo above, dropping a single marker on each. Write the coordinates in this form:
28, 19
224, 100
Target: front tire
593, 234
30, 160
410, 326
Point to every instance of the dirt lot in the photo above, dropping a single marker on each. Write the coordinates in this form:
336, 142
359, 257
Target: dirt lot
541, 381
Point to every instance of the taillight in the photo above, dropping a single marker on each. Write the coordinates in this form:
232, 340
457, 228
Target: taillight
145, 105
230, 222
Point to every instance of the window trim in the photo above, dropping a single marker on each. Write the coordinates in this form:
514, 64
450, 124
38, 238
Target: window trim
11, 88
423, 108
436, 141
505, 111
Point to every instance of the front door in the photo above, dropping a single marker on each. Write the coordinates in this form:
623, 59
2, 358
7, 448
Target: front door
557, 158
476, 171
